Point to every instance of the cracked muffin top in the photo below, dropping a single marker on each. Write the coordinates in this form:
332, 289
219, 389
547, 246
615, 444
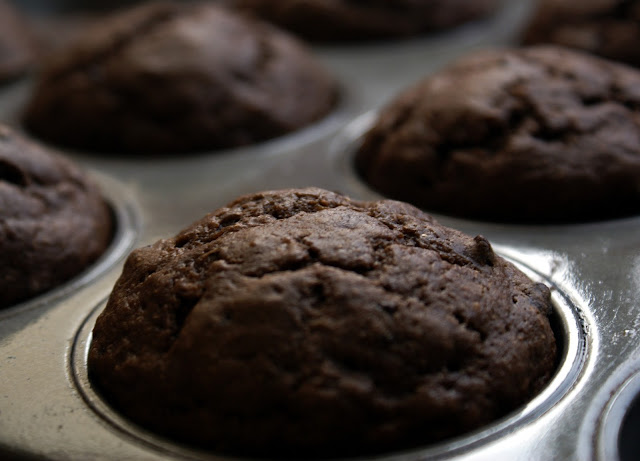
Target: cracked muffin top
609, 28
536, 135
17, 44
53, 220
168, 77
300, 322
346, 20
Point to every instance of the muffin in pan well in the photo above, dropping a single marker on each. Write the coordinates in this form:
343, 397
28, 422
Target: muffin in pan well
53, 220
299, 322
531, 135
168, 77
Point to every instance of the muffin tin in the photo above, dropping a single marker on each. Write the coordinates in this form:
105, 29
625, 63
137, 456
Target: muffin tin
591, 408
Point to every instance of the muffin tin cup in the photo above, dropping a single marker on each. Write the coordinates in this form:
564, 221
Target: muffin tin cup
610, 426
567, 322
618, 431
127, 224
48, 408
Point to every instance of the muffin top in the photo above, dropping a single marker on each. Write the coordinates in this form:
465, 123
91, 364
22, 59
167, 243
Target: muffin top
608, 28
53, 220
303, 323
540, 134
347, 20
169, 77
17, 45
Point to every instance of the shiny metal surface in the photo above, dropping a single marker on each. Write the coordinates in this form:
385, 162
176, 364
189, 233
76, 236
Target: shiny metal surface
49, 410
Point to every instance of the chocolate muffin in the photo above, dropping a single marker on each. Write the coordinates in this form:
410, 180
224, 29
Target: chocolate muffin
338, 20
169, 77
53, 220
17, 45
302, 323
609, 28
533, 135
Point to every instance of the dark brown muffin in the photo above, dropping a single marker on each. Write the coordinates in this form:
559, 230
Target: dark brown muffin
609, 28
17, 46
171, 77
302, 323
336, 20
532, 135
53, 221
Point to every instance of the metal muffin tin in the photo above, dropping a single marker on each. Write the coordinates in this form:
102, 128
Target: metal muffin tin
48, 408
